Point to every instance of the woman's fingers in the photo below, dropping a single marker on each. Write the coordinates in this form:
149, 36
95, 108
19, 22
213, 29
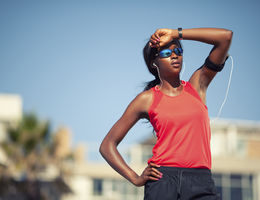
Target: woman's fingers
153, 43
154, 40
156, 173
153, 178
155, 37
161, 37
151, 171
153, 165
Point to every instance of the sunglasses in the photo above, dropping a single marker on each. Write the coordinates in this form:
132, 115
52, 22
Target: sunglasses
165, 53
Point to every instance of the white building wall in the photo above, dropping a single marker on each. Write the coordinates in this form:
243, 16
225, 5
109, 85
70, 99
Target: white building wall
10, 113
218, 143
10, 107
230, 157
80, 186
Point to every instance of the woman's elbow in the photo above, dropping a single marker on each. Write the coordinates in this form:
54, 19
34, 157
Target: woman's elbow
225, 39
106, 147
102, 148
228, 35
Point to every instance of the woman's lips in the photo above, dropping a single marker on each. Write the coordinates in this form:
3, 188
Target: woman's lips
176, 64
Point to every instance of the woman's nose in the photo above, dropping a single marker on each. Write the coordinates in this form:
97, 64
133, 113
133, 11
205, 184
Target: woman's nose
174, 56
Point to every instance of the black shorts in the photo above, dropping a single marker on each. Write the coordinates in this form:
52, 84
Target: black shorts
179, 183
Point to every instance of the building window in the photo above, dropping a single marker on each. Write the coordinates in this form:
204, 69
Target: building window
97, 186
123, 189
234, 186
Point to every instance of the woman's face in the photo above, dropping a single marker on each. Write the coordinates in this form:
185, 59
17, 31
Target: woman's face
171, 64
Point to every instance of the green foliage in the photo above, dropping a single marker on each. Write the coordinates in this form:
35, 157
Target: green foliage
30, 134
31, 147
28, 145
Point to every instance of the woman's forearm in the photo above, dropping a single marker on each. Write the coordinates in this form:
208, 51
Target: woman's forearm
110, 153
220, 38
214, 36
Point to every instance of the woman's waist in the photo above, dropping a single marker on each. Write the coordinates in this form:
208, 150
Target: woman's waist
185, 169
185, 162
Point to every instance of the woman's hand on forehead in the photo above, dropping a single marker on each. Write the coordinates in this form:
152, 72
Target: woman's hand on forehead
162, 37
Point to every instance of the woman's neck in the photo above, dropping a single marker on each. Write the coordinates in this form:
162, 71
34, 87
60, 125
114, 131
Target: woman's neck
171, 87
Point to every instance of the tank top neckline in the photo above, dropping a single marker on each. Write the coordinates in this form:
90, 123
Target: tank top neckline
183, 83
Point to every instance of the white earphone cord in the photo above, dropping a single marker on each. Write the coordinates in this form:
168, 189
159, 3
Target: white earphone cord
227, 91
182, 72
161, 83
225, 99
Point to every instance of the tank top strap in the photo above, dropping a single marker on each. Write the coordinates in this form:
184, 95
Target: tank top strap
157, 96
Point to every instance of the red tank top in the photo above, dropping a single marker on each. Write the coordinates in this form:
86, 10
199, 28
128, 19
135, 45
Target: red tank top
182, 128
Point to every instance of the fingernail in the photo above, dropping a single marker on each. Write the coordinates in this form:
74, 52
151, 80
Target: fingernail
161, 176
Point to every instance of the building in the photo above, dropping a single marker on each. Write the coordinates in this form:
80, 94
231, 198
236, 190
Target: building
235, 148
10, 114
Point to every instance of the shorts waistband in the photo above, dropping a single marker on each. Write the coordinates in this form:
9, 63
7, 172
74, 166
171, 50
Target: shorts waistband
184, 169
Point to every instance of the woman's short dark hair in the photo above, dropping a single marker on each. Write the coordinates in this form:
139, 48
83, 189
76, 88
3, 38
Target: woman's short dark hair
149, 54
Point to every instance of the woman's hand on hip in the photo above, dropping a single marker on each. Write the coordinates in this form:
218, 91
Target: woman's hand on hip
162, 37
149, 173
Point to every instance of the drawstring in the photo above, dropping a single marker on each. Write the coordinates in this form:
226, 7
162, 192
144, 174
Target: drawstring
180, 177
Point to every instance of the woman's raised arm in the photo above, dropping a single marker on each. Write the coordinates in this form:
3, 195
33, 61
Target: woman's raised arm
220, 38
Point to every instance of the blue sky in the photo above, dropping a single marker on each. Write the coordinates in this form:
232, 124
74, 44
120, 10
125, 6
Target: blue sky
79, 63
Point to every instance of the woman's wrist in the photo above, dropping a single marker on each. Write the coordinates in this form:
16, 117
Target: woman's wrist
180, 33
134, 179
174, 34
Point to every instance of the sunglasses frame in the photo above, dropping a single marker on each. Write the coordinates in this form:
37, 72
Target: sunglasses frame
178, 51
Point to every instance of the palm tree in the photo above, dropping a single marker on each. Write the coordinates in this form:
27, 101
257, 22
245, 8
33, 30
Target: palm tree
27, 143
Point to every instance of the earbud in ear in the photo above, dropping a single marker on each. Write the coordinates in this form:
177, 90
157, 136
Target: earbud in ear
154, 65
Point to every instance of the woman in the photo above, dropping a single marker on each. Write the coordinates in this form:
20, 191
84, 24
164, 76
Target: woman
180, 167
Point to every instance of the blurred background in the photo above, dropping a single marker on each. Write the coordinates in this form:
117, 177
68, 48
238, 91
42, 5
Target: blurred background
70, 68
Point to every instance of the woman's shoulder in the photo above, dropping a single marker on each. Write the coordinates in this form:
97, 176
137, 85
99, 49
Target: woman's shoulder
144, 100
145, 96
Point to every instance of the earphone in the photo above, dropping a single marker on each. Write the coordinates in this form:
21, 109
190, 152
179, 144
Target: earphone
155, 65
228, 86
227, 90
161, 83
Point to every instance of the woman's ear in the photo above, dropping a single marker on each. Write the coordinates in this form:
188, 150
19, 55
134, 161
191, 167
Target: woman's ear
153, 64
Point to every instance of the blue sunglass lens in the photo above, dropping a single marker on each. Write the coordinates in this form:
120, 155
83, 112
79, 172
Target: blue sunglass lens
168, 52
178, 51
165, 53
181, 50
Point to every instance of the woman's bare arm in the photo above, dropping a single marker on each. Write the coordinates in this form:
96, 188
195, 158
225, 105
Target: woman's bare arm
136, 110
220, 38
